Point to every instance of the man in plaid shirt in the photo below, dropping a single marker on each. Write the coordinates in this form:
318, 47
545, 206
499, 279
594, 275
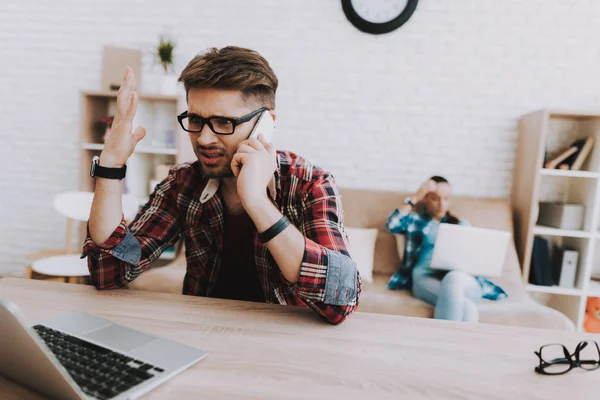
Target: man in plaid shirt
258, 224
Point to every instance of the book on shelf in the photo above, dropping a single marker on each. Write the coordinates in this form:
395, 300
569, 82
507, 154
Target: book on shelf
569, 161
573, 157
588, 143
540, 272
564, 266
556, 161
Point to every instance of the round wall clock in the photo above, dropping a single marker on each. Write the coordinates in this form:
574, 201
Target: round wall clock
378, 16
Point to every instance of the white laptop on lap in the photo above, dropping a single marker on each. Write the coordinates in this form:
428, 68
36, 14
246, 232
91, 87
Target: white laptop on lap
81, 356
478, 251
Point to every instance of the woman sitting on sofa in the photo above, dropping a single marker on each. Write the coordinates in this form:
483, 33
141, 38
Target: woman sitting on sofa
453, 293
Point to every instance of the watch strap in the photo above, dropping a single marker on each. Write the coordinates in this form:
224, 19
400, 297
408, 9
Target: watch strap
110, 173
105, 172
274, 230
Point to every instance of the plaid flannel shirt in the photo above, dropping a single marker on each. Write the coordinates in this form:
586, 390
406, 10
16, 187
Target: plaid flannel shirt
412, 225
186, 205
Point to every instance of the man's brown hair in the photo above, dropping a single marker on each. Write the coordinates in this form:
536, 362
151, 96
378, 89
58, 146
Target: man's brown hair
233, 68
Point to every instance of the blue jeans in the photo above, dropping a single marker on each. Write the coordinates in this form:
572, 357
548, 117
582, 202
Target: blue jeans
453, 293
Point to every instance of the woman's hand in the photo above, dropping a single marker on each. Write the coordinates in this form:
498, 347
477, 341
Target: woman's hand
427, 187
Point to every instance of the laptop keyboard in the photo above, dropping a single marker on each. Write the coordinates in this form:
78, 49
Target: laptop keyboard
99, 372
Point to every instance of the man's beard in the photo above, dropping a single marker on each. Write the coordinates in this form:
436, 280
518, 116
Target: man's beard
224, 172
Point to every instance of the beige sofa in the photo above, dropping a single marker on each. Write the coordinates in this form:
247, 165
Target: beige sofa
370, 209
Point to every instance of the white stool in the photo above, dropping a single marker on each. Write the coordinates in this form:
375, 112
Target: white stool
76, 206
67, 266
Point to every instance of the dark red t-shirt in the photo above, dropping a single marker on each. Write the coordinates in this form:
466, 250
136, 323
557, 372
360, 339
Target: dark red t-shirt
238, 278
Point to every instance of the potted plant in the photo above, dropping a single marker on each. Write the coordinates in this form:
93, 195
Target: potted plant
164, 53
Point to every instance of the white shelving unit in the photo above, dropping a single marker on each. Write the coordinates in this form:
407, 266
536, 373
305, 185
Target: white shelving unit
157, 113
554, 290
549, 131
594, 289
574, 174
143, 150
548, 231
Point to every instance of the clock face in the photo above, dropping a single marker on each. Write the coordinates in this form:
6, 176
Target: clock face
378, 16
379, 11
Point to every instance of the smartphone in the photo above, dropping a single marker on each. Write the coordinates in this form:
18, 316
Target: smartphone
264, 125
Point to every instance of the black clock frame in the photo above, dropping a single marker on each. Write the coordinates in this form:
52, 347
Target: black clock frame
378, 28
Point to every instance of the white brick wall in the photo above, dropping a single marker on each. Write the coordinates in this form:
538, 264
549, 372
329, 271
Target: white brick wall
442, 95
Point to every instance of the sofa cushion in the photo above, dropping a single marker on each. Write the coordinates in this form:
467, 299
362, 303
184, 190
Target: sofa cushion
376, 298
362, 250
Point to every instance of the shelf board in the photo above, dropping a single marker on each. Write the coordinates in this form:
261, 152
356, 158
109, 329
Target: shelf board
545, 230
142, 96
144, 150
574, 174
567, 114
594, 289
554, 290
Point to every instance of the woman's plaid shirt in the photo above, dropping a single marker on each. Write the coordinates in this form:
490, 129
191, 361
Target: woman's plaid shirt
329, 282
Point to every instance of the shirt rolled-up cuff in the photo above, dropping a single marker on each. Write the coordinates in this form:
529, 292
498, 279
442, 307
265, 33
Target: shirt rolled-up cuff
341, 281
327, 276
89, 247
121, 244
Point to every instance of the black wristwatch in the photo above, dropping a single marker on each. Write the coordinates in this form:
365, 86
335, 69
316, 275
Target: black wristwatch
104, 172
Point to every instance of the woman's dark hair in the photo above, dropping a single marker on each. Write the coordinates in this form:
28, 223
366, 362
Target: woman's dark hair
450, 219
439, 179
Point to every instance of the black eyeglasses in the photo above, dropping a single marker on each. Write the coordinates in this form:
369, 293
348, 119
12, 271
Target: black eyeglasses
555, 359
219, 125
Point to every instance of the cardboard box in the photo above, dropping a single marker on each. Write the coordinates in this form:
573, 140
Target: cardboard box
114, 61
561, 215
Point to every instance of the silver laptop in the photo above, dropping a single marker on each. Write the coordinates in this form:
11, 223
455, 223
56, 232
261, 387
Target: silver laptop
478, 251
81, 356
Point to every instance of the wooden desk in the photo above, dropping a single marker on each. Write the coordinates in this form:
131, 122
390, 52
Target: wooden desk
272, 352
